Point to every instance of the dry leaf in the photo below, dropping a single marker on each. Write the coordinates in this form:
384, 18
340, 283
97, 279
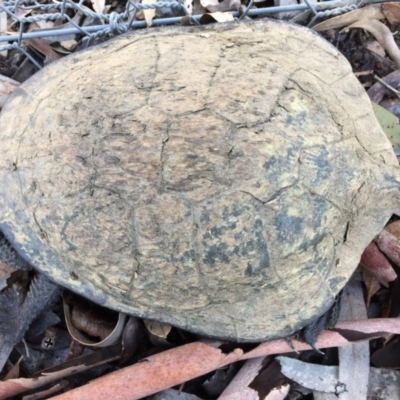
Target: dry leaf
377, 92
158, 329
69, 45
390, 245
392, 12
382, 34
372, 11
313, 376
278, 393
43, 47
375, 47
178, 365
98, 5
111, 338
209, 18
354, 359
149, 14
66, 369
371, 284
377, 264
239, 386
394, 228
41, 24
188, 5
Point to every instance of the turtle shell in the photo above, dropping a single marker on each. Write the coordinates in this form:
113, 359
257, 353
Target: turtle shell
224, 179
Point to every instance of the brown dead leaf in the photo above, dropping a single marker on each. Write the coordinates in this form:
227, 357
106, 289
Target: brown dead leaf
390, 245
375, 47
371, 284
13, 387
43, 47
377, 91
392, 13
13, 373
382, 34
149, 14
394, 228
378, 265
372, 11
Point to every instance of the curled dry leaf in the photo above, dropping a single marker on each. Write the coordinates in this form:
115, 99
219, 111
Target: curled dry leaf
210, 18
382, 34
111, 339
378, 265
372, 11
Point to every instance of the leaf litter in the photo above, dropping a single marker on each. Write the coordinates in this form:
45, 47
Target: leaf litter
38, 354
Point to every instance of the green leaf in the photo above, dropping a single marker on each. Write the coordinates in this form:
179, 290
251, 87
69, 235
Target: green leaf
390, 125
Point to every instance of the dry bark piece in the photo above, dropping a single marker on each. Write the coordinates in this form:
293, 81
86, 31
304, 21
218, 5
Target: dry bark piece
195, 187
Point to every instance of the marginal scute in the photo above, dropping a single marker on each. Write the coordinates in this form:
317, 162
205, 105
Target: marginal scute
227, 183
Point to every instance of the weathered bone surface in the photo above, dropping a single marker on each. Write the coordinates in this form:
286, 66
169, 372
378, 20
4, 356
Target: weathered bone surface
224, 179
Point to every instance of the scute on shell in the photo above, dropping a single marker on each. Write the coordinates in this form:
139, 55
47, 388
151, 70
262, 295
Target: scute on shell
224, 179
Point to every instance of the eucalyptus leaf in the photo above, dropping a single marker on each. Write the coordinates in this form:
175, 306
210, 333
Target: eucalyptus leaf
390, 125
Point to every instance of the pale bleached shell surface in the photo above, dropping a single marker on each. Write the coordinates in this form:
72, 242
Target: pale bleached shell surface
224, 179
